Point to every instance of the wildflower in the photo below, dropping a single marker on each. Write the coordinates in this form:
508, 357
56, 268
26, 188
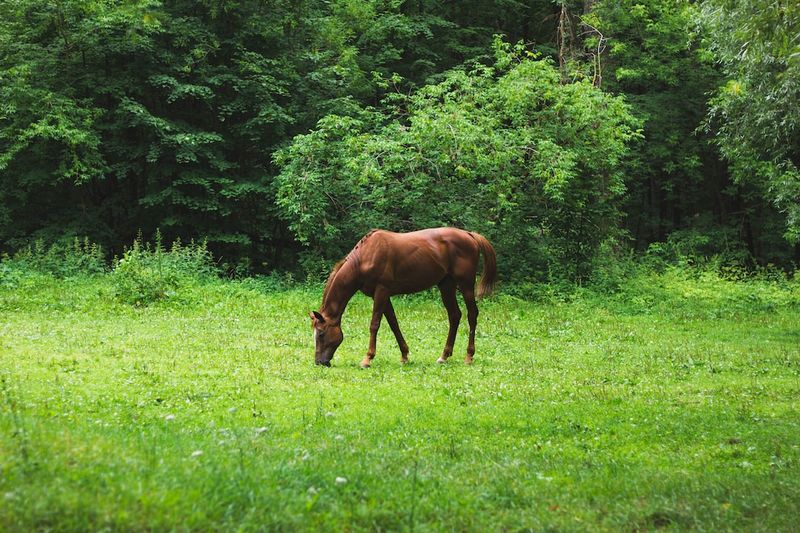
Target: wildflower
261, 430
341, 480
169, 417
197, 453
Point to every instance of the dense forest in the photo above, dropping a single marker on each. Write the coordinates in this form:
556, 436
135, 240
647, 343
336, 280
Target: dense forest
569, 133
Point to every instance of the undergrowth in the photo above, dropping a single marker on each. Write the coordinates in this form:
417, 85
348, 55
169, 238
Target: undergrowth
148, 273
672, 277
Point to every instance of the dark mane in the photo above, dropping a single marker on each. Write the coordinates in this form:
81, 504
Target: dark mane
332, 275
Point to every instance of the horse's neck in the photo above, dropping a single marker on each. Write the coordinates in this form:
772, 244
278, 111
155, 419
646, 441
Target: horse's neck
343, 286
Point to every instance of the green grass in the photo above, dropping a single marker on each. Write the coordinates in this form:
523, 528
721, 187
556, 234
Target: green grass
675, 404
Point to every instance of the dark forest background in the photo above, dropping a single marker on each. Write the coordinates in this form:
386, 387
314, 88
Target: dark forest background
571, 134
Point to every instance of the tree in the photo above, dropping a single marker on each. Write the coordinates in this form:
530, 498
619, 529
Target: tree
755, 116
119, 117
506, 150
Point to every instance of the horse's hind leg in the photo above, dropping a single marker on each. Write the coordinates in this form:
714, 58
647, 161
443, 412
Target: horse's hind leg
468, 292
388, 312
448, 289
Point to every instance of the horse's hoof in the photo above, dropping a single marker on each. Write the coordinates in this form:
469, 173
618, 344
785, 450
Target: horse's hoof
468, 360
364, 364
404, 361
441, 360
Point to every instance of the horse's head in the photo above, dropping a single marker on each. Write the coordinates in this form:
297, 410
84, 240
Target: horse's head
327, 337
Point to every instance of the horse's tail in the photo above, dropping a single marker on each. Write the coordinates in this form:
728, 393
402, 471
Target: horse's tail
489, 276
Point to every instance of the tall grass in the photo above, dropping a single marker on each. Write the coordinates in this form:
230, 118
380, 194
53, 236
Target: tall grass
78, 257
149, 273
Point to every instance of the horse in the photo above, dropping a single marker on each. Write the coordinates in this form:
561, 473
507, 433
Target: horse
383, 264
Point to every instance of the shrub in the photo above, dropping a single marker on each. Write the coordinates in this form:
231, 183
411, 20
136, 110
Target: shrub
706, 246
9, 277
60, 259
613, 264
509, 151
149, 273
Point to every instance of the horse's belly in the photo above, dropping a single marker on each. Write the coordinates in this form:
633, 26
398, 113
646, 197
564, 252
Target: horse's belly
415, 281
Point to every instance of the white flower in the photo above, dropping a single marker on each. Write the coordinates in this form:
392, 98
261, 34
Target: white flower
197, 453
169, 417
231, 409
341, 480
313, 490
261, 430
339, 437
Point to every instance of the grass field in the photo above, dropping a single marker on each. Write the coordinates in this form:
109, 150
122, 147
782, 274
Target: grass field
675, 404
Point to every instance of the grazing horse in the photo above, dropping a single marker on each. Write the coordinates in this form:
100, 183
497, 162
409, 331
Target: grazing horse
384, 263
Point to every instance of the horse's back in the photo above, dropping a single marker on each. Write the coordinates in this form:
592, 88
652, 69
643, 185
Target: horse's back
415, 261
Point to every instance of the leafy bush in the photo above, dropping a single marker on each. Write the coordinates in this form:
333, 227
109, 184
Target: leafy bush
612, 266
9, 277
149, 273
509, 151
62, 260
706, 246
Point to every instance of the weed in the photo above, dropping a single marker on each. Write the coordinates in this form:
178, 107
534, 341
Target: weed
75, 258
147, 274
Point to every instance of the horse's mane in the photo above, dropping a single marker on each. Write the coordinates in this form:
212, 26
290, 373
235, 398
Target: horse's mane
332, 275
341, 263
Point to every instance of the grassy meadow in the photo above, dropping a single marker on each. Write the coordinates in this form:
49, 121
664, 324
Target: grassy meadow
674, 404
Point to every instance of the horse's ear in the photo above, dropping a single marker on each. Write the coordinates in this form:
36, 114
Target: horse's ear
319, 317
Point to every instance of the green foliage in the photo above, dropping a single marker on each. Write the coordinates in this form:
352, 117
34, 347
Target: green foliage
706, 292
119, 116
61, 259
508, 151
655, 60
147, 274
695, 247
756, 114
9, 277
146, 114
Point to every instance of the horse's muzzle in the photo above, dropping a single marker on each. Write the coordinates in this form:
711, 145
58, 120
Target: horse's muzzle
324, 363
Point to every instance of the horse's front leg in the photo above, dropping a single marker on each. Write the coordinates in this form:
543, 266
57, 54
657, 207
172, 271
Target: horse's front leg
380, 297
391, 318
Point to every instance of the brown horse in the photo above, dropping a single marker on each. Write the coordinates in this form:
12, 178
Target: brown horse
383, 264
